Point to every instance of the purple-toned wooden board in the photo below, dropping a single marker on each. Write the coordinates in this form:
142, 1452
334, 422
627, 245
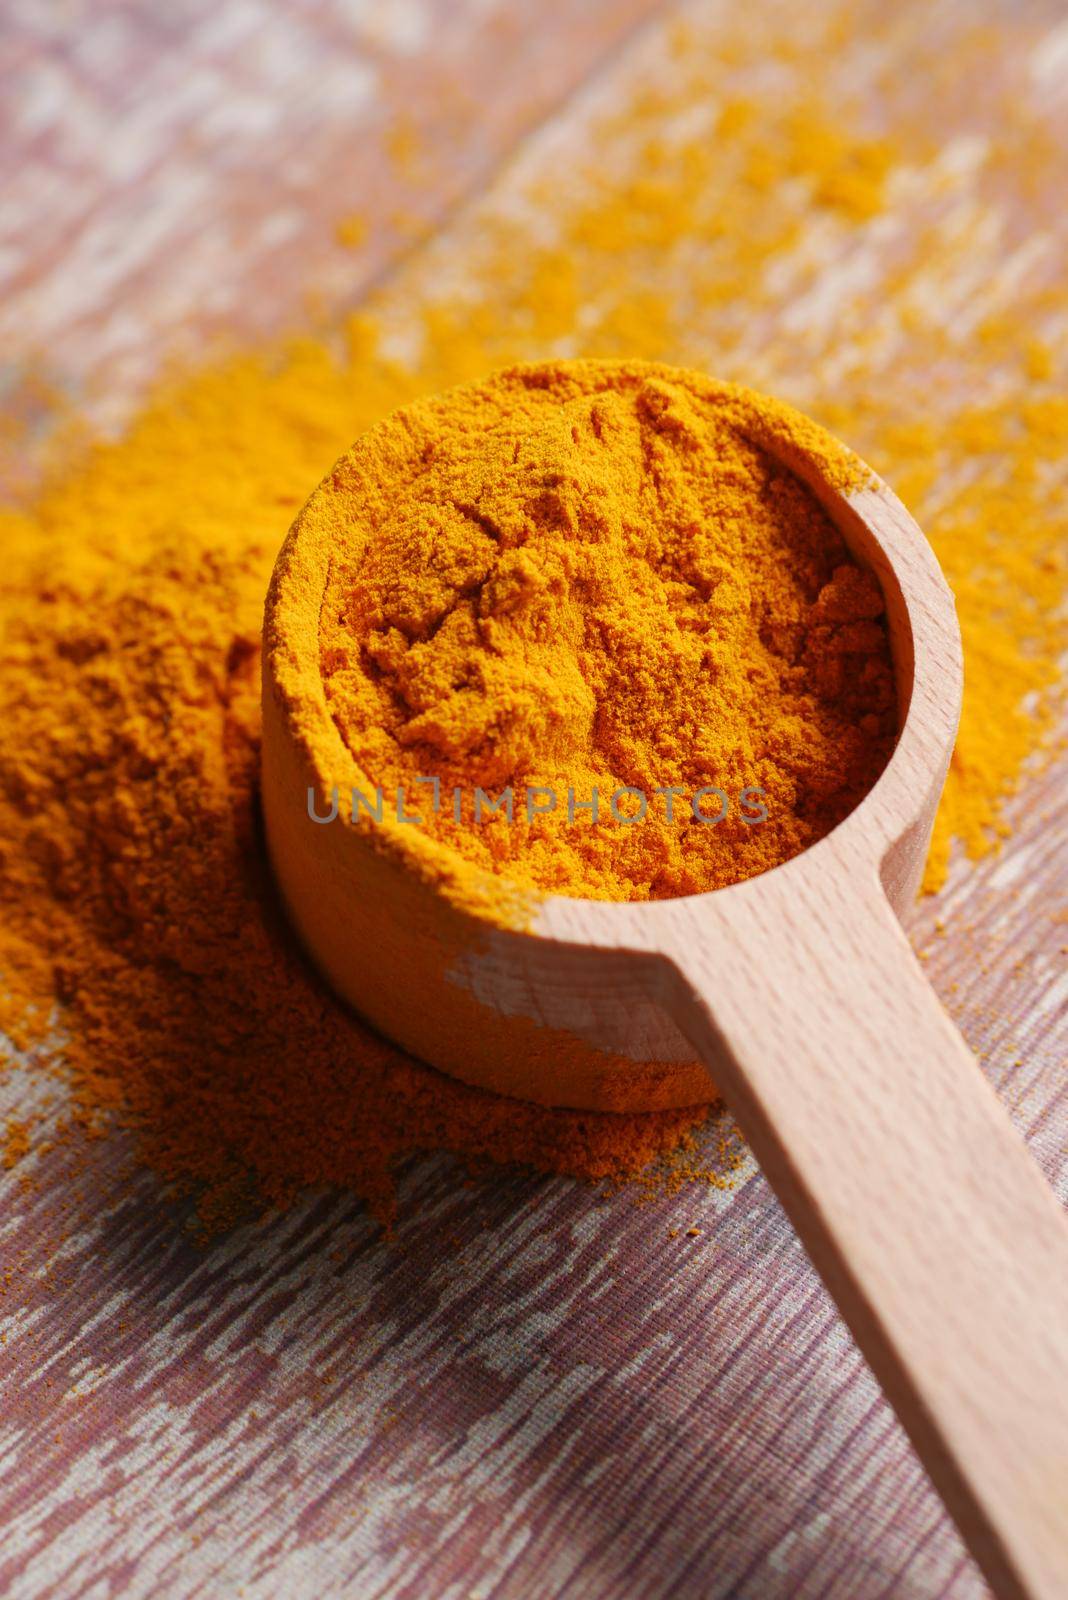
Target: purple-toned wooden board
145, 150
534, 1392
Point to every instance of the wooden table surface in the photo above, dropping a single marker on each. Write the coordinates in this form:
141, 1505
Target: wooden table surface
534, 1391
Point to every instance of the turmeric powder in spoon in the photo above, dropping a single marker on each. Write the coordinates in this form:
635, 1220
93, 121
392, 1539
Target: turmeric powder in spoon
579, 596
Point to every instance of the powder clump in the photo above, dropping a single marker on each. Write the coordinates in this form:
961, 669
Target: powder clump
597, 580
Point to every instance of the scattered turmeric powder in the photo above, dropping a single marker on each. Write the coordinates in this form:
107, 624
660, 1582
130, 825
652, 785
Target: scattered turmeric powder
139, 940
16, 1143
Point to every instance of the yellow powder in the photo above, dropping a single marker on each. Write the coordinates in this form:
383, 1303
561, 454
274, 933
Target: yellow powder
590, 578
351, 232
16, 1142
134, 576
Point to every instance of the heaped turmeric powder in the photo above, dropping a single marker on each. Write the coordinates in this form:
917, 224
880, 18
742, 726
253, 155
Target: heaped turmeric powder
582, 625
580, 628
719, 221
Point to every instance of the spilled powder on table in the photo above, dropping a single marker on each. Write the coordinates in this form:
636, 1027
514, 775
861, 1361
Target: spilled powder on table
139, 932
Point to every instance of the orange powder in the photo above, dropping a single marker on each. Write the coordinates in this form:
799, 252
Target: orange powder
588, 578
132, 875
135, 922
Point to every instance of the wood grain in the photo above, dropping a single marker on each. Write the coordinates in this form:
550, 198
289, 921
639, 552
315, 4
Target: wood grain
173, 177
535, 1393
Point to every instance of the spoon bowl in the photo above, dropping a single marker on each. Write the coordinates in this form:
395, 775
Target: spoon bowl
497, 1003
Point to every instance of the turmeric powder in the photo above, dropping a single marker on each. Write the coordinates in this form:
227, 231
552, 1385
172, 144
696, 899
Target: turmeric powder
576, 582
141, 956
589, 583
136, 895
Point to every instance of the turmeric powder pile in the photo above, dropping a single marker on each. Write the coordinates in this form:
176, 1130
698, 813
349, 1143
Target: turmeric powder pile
751, 200
625, 651
144, 958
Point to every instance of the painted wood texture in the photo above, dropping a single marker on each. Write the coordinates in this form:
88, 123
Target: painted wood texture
535, 1391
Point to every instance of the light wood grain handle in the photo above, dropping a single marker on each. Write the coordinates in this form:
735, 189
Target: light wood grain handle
946, 1251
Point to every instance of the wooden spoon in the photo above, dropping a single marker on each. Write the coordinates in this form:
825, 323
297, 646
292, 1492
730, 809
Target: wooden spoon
944, 1248
920, 1206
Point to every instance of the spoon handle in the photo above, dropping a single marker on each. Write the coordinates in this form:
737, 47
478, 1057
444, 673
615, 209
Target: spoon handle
931, 1225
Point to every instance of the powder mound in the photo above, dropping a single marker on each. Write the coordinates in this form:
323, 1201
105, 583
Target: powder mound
143, 958
580, 578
